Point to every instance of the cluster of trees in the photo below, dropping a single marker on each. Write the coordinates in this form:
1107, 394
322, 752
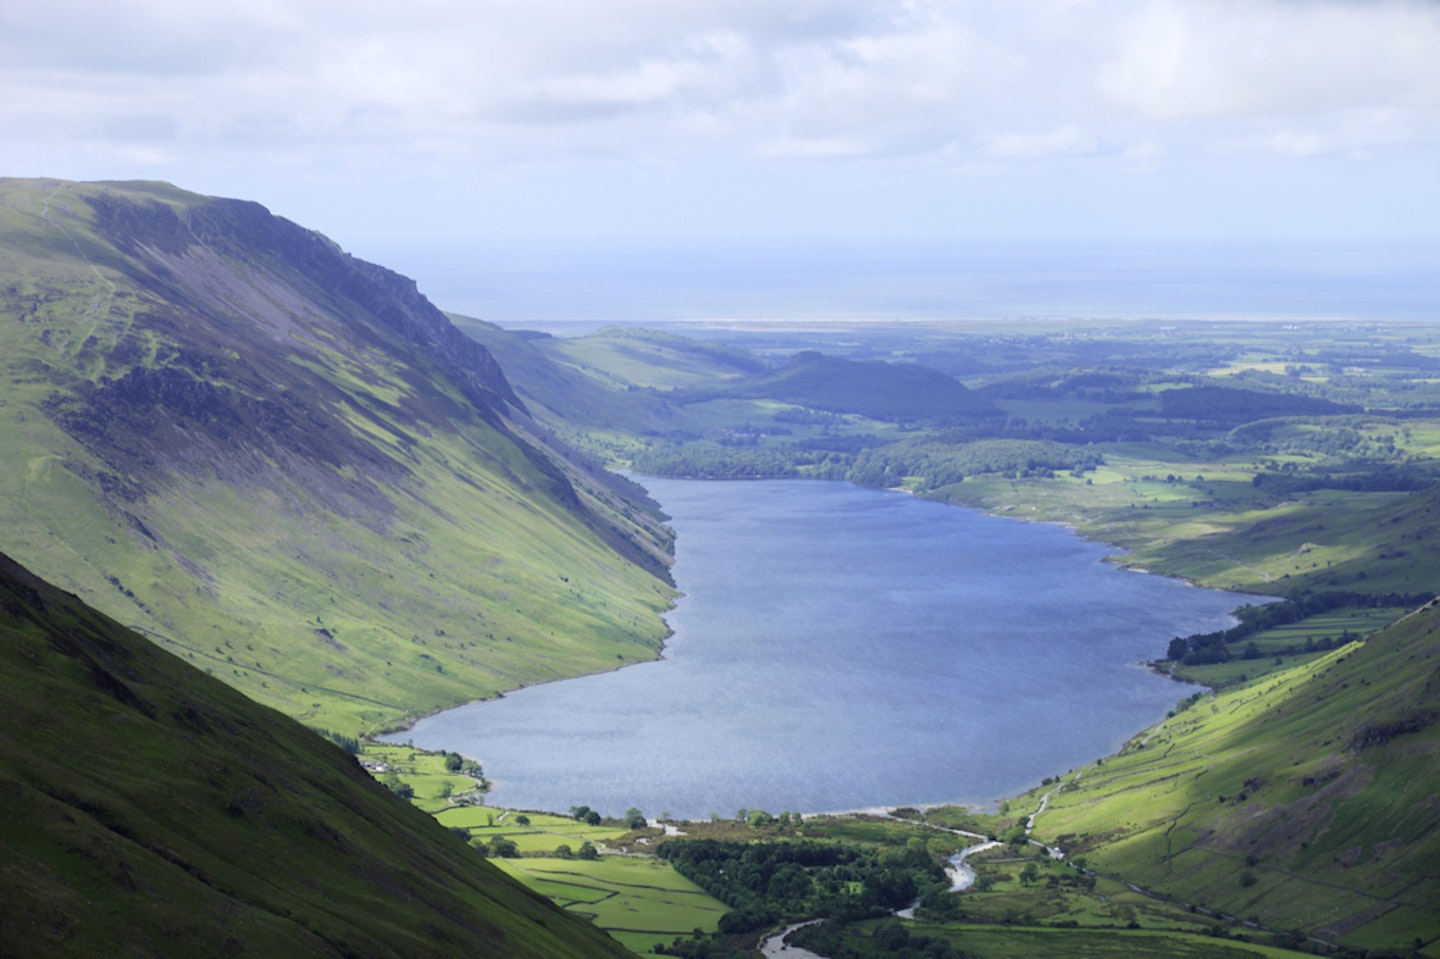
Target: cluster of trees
1384, 478
888, 939
456, 763
586, 815
750, 462
759, 819
940, 463
634, 818
351, 744
937, 462
392, 781
769, 881
1201, 648
1232, 407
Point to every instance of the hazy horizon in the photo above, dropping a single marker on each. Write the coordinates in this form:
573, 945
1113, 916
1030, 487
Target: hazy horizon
569, 285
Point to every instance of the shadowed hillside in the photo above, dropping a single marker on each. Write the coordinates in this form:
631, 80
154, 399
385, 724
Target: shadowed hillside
148, 810
286, 465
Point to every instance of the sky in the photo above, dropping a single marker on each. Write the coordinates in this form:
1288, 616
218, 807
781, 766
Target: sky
529, 128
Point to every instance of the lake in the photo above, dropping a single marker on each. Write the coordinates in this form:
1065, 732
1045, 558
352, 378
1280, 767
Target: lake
840, 648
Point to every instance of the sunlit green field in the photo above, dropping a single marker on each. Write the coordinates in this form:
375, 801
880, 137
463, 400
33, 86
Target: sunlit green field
1014, 942
1289, 644
640, 901
1250, 801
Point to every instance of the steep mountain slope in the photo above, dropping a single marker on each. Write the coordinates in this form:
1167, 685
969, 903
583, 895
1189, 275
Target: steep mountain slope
623, 357
568, 390
286, 465
1307, 800
149, 810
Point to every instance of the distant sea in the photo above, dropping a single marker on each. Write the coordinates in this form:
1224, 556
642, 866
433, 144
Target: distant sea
575, 286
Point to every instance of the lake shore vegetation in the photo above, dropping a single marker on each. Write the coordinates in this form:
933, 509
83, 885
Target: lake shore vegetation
1238, 456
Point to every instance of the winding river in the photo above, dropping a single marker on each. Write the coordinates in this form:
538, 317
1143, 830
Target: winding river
840, 648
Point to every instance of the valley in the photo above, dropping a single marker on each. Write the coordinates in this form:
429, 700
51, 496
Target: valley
1248, 457
290, 470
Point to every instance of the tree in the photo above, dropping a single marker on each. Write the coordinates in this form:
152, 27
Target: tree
1029, 874
398, 786
593, 818
588, 851
453, 762
564, 851
635, 819
504, 848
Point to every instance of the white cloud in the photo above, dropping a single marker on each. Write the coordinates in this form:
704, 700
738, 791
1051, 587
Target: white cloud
1232, 58
708, 90
1063, 141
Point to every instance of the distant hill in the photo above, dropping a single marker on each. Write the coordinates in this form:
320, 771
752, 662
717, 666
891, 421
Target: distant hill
148, 810
573, 392
648, 381
873, 388
287, 466
1232, 407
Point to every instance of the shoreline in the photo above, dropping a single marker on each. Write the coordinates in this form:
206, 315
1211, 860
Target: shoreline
988, 804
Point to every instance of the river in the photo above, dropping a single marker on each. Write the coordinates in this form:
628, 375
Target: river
840, 648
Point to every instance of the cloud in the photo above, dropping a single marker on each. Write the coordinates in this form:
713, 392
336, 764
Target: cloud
482, 91
908, 76
1231, 58
1064, 141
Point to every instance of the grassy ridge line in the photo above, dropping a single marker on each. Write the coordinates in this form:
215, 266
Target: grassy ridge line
1303, 799
146, 809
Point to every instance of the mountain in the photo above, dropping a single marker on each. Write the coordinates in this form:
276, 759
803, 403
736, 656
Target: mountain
287, 466
873, 388
575, 386
147, 809
1304, 800
606, 389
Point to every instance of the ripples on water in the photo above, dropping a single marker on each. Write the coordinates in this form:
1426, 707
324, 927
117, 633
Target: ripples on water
841, 648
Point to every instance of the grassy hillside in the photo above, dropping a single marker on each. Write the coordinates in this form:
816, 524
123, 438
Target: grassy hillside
623, 357
1305, 800
149, 810
583, 401
1300, 796
288, 467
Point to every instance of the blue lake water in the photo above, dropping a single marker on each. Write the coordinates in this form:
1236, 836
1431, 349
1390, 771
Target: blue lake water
840, 648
